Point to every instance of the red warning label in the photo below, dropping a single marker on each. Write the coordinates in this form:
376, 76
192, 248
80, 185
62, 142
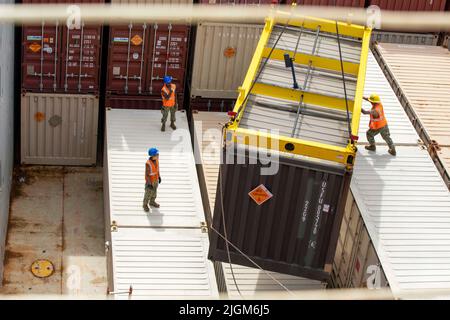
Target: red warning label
260, 194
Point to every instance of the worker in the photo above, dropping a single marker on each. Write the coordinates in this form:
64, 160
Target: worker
169, 103
378, 124
152, 179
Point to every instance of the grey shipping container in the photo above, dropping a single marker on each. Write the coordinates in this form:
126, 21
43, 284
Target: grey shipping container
6, 129
302, 219
223, 52
59, 129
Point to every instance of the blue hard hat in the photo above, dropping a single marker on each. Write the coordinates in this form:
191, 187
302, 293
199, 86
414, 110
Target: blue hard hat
167, 79
153, 152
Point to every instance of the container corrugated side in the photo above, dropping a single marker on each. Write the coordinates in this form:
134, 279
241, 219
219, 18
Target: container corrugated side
420, 76
356, 264
417, 5
59, 129
223, 52
405, 206
161, 263
7, 130
130, 133
250, 281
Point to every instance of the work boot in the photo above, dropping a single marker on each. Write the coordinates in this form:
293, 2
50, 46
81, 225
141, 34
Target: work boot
154, 204
172, 125
392, 151
371, 148
163, 127
146, 209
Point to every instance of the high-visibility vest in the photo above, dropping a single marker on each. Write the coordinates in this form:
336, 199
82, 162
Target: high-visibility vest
170, 102
151, 171
380, 122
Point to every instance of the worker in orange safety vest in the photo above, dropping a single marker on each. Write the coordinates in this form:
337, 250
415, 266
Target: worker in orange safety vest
169, 103
378, 124
152, 179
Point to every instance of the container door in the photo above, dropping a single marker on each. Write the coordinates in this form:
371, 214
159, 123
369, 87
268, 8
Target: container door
168, 52
127, 61
40, 57
81, 59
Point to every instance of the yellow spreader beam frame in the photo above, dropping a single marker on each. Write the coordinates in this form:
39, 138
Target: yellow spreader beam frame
341, 155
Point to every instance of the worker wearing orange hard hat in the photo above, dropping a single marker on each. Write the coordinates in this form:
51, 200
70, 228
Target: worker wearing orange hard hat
378, 124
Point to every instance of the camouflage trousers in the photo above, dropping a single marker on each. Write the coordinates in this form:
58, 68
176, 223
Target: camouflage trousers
385, 134
165, 113
150, 194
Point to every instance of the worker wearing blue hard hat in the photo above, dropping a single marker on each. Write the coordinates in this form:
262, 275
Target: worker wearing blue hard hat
152, 179
169, 103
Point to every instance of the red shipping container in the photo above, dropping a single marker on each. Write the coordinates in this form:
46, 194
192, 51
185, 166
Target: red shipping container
51, 51
81, 55
141, 55
413, 5
41, 58
138, 102
219, 105
337, 3
127, 60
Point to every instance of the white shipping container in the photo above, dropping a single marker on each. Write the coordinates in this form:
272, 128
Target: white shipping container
250, 281
6, 129
223, 52
405, 206
129, 135
59, 129
161, 254
161, 264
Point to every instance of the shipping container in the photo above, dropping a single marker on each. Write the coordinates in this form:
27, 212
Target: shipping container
356, 264
160, 263
170, 244
420, 77
58, 59
416, 5
405, 38
223, 52
207, 132
334, 3
205, 104
59, 129
405, 204
141, 54
7, 129
314, 158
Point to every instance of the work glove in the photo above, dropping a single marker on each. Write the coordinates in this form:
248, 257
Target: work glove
159, 179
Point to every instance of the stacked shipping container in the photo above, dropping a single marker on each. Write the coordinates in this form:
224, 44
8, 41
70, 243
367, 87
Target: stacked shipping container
60, 89
139, 57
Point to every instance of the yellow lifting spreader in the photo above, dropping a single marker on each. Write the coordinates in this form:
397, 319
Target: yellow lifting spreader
330, 63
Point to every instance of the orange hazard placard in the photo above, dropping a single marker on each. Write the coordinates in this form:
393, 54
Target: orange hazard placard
229, 52
136, 40
35, 47
260, 194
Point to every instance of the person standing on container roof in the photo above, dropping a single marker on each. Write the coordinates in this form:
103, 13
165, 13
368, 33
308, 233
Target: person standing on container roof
169, 103
378, 124
152, 179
